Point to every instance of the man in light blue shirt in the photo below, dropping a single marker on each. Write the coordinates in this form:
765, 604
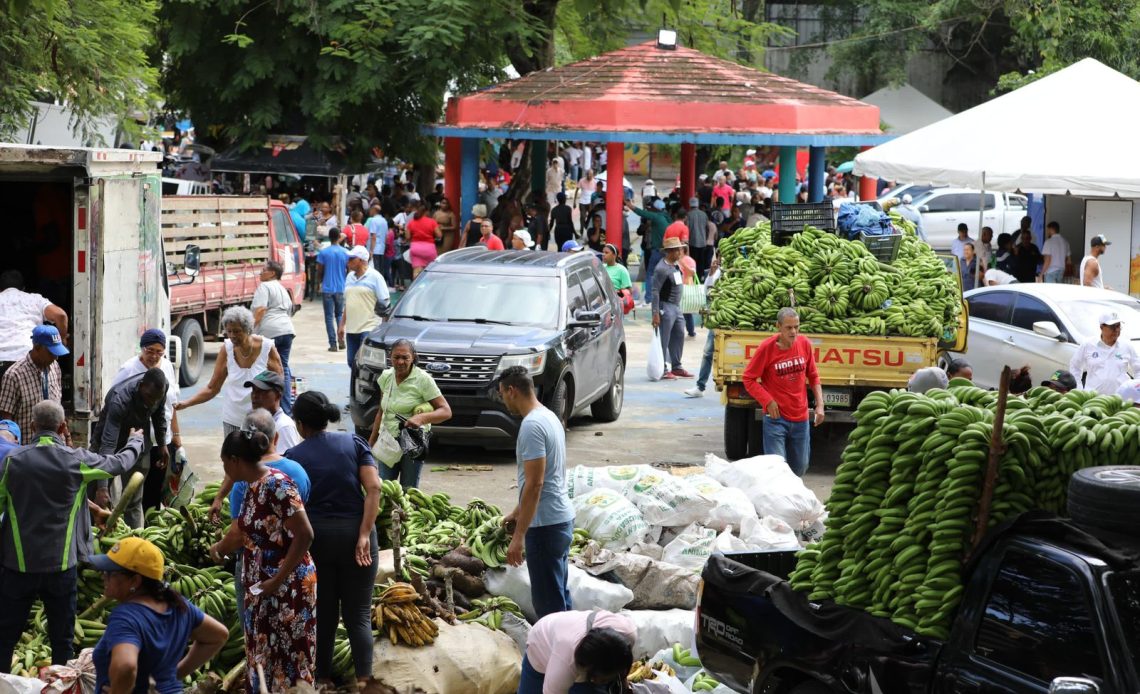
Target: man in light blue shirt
377, 227
543, 521
332, 267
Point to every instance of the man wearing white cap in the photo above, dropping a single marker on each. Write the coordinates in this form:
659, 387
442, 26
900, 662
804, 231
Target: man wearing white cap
521, 241
1090, 273
366, 297
1106, 361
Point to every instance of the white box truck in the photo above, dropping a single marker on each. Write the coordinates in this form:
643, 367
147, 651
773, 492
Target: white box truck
83, 227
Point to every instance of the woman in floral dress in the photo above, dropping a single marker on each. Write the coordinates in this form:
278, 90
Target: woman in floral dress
279, 579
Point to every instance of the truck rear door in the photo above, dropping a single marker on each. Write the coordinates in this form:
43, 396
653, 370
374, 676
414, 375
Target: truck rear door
1035, 621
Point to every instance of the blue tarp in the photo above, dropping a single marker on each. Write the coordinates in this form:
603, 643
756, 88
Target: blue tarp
866, 219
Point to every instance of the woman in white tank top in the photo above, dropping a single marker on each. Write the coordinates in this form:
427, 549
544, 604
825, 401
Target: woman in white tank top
243, 356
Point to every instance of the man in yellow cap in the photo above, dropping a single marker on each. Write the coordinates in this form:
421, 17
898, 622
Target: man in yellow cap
46, 529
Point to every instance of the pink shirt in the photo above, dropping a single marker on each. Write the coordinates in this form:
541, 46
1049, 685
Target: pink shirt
727, 194
551, 643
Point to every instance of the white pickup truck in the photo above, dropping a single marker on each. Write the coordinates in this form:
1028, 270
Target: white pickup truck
943, 209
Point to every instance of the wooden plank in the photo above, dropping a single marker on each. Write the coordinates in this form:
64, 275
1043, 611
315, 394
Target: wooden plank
212, 217
989, 480
253, 255
244, 231
215, 202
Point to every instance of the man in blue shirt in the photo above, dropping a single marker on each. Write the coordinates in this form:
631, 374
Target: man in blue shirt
544, 519
332, 267
377, 227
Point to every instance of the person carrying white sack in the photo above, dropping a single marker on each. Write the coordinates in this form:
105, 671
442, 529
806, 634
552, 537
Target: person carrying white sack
578, 652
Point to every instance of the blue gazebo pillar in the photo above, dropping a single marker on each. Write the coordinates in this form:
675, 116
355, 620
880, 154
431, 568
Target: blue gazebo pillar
469, 178
787, 173
817, 173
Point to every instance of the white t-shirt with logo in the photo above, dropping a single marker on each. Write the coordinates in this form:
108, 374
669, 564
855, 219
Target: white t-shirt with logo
1057, 248
20, 313
1106, 368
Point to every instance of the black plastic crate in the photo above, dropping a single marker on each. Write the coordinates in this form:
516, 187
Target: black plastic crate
885, 247
791, 219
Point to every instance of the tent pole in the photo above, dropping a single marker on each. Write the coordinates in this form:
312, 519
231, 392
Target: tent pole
981, 208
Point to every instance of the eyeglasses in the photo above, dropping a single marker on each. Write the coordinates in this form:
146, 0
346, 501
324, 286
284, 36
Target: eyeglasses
154, 351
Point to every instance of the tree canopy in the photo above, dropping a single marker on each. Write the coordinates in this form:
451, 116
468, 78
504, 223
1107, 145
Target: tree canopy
91, 54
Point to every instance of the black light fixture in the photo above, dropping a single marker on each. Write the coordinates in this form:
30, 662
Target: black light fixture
667, 39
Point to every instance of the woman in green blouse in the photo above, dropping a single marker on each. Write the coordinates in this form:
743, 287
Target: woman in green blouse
408, 391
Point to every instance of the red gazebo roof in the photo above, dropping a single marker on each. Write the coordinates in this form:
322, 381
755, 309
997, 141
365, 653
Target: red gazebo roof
646, 89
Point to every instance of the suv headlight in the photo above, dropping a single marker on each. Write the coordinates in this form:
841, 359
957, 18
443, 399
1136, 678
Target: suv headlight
534, 363
372, 356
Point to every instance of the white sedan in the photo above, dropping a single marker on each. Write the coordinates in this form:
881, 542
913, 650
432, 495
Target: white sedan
1040, 325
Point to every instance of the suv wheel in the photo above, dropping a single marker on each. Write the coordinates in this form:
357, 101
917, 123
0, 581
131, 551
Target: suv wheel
560, 402
608, 409
1106, 497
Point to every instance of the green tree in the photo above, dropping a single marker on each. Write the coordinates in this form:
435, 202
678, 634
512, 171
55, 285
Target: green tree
91, 54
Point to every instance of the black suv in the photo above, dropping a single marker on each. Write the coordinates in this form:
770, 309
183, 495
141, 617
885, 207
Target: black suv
473, 313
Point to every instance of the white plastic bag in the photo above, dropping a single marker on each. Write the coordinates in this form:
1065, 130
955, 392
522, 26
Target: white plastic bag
768, 533
590, 593
657, 629
690, 549
684, 672
656, 585
11, 684
611, 519
731, 505
512, 582
655, 362
727, 542
582, 480
667, 500
772, 487
661, 684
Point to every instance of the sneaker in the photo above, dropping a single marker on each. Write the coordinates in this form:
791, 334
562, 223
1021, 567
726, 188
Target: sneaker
332, 348
342, 345
681, 373
669, 376
694, 392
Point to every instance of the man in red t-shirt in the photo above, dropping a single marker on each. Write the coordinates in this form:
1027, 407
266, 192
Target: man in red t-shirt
776, 376
355, 234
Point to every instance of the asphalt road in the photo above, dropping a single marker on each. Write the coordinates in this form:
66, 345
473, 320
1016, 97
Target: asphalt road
658, 424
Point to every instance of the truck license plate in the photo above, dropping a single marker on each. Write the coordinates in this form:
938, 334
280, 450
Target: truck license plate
836, 397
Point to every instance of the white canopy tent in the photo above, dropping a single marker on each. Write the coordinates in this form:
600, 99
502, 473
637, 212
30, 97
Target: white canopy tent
1068, 133
904, 109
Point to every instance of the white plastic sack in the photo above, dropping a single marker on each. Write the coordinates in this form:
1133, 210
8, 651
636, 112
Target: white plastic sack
512, 582
731, 505
768, 533
582, 480
667, 500
772, 487
727, 542
655, 362
611, 519
661, 684
590, 593
690, 549
657, 629
656, 585
684, 672
11, 684
465, 658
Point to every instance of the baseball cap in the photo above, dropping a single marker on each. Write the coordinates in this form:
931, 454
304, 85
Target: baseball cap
48, 336
525, 236
1130, 391
131, 554
11, 427
1110, 318
1099, 240
266, 380
360, 253
907, 199
1061, 379
927, 379
571, 246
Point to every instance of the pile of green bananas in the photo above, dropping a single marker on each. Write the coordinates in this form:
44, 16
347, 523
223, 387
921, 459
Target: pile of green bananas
837, 286
903, 508
704, 682
488, 542
489, 612
684, 656
578, 541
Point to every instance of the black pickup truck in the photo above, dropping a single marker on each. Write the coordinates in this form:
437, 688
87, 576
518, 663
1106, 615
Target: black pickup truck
1049, 606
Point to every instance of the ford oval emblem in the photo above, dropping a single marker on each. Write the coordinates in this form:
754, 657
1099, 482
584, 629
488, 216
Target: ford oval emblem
438, 367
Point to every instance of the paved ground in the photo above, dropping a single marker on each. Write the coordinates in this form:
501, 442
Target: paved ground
657, 425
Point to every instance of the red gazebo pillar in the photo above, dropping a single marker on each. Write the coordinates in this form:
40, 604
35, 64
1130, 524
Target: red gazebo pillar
867, 184
615, 191
452, 167
688, 171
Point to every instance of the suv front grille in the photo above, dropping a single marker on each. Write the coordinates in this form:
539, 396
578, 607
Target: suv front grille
473, 370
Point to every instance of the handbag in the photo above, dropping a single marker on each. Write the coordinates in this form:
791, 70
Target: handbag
387, 449
413, 441
693, 299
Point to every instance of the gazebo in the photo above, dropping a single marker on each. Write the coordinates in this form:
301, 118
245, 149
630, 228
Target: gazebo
654, 94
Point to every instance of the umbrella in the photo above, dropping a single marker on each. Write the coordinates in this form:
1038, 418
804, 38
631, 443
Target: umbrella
846, 167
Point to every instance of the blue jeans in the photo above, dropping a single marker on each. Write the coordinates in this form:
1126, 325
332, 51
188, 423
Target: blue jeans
532, 680
690, 325
706, 362
353, 342
407, 471
654, 258
334, 309
57, 590
284, 344
547, 551
1054, 276
792, 440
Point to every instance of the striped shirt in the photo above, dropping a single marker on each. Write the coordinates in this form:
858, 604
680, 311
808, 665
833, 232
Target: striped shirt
24, 385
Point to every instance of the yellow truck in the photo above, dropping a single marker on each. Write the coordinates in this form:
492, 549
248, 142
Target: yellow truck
850, 366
